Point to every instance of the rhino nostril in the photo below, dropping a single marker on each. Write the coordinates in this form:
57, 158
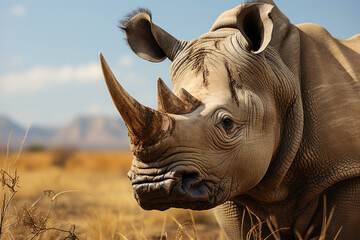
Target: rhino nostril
189, 180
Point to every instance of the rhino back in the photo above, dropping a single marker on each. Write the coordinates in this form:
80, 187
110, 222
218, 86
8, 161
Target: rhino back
330, 88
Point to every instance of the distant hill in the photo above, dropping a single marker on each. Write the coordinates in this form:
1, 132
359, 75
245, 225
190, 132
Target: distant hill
84, 133
6, 127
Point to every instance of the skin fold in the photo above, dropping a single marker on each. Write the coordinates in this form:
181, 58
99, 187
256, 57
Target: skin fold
263, 114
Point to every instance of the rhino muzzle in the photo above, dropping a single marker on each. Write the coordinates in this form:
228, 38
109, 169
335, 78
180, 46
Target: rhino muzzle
177, 188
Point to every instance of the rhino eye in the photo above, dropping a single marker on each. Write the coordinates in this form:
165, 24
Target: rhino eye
227, 123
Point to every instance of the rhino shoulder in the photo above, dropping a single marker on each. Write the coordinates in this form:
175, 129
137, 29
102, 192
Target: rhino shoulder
314, 30
322, 35
353, 43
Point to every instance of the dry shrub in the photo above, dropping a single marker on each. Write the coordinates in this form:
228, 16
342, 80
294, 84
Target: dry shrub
36, 222
36, 148
32, 219
61, 156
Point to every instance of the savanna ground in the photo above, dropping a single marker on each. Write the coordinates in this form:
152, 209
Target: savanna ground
69, 194
90, 197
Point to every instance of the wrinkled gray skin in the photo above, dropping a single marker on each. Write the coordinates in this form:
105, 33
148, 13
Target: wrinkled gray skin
275, 124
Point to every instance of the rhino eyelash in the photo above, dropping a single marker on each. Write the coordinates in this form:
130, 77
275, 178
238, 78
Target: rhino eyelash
231, 132
227, 123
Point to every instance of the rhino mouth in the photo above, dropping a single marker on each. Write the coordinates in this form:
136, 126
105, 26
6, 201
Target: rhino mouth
179, 189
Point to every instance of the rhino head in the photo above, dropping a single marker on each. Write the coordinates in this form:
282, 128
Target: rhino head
217, 134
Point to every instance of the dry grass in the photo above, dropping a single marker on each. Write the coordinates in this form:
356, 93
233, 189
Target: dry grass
100, 161
99, 203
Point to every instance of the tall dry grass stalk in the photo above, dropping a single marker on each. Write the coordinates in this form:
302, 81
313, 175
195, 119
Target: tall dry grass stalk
10, 186
324, 226
9, 182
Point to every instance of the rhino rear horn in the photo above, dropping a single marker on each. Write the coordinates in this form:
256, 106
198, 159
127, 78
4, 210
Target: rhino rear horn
170, 103
146, 126
149, 41
190, 101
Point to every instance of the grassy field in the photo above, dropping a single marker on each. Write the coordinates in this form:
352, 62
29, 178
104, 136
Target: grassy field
94, 195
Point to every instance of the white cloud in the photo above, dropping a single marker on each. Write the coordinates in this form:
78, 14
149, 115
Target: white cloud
42, 77
18, 10
126, 61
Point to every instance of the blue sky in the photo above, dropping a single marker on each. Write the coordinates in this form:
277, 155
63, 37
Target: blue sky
49, 68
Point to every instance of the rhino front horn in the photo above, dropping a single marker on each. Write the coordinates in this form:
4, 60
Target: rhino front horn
168, 102
146, 126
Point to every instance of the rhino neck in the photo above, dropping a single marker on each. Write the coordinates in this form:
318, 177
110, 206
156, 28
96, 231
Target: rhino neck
325, 130
285, 63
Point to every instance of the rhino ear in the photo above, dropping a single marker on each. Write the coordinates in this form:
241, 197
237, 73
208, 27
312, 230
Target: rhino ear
255, 24
149, 41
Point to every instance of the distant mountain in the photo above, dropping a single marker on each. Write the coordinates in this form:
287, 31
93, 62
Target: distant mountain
8, 127
84, 132
94, 133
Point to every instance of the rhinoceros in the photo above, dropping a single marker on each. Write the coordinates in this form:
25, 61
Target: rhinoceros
263, 115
